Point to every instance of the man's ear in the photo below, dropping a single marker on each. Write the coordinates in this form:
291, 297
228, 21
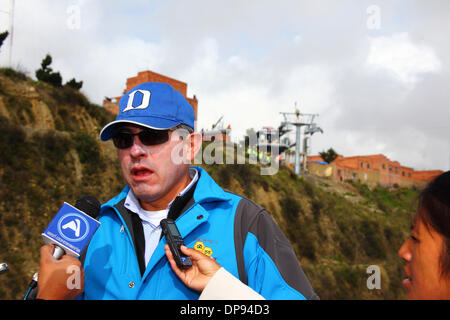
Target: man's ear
193, 144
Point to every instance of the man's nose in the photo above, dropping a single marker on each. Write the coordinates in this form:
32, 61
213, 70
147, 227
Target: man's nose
138, 149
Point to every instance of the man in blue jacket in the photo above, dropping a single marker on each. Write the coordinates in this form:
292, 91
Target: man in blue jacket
155, 140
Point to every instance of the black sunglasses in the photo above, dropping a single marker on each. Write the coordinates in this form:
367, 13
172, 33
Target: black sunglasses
148, 137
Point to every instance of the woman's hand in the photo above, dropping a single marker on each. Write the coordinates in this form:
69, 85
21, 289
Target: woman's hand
202, 270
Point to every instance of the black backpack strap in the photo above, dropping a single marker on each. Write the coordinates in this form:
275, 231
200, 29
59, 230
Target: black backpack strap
241, 227
250, 217
134, 225
139, 241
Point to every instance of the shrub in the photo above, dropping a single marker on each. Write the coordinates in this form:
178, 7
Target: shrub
12, 144
309, 189
290, 208
224, 177
52, 148
69, 96
329, 155
13, 74
316, 207
46, 74
21, 109
372, 239
88, 151
3, 36
304, 239
74, 84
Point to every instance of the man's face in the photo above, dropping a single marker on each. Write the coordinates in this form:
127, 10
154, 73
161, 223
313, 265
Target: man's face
422, 252
150, 171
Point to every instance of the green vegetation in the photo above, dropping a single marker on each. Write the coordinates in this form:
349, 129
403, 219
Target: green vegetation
46, 74
13, 74
329, 155
74, 84
335, 234
389, 199
3, 36
40, 168
335, 239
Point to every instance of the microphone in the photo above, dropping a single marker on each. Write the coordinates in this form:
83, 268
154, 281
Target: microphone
3, 268
70, 230
72, 227
86, 204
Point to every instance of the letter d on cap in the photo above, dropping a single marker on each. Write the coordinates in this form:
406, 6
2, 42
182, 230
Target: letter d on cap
144, 103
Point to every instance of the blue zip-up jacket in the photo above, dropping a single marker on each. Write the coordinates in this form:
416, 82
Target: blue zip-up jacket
239, 234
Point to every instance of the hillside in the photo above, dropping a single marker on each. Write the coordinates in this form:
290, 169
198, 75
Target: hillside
337, 230
51, 154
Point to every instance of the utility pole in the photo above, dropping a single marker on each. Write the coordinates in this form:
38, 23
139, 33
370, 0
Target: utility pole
298, 120
10, 13
11, 21
449, 154
298, 133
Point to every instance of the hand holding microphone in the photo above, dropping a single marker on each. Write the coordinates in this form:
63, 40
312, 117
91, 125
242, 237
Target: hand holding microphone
60, 273
54, 276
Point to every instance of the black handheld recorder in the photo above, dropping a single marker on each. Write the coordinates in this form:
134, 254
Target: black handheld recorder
175, 241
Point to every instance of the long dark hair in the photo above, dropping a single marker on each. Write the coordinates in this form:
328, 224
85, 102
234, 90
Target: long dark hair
434, 212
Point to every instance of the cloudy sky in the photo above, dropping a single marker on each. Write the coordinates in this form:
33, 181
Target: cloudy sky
377, 72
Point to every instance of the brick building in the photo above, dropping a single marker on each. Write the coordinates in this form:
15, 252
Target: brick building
112, 104
372, 170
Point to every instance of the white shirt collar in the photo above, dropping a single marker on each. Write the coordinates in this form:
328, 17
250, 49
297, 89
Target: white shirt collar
193, 174
132, 203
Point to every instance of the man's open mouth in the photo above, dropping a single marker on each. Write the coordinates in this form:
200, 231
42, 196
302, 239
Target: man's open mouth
141, 172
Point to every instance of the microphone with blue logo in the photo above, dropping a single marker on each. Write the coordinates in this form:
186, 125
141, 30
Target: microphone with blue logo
70, 230
72, 227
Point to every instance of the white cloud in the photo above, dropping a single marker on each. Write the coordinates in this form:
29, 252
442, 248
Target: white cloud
297, 39
403, 59
249, 61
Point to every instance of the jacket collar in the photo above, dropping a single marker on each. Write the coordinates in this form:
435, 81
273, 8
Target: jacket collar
207, 190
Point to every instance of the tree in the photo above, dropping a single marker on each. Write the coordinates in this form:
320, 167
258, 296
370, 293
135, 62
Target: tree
3, 36
46, 74
329, 155
74, 84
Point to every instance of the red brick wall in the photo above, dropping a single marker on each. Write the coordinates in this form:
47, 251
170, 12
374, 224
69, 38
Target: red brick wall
427, 175
390, 172
150, 76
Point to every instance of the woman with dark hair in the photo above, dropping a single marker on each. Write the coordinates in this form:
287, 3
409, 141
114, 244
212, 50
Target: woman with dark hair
427, 251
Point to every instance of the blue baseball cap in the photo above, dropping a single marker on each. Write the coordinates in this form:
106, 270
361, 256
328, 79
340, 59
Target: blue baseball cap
154, 105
